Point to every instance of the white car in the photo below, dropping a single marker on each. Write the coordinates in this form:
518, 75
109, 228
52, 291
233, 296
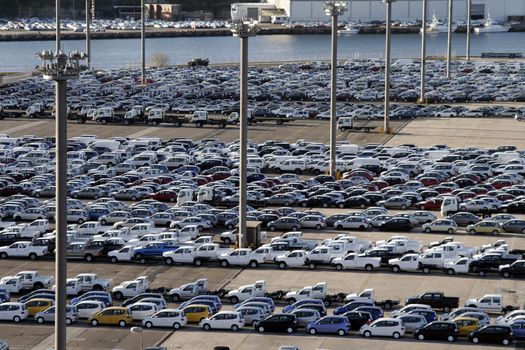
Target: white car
170, 318
352, 222
193, 220
87, 308
11, 311
423, 216
224, 320
295, 258
442, 225
22, 249
140, 310
384, 327
241, 257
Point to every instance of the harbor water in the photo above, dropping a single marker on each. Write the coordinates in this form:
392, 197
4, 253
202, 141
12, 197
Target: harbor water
116, 53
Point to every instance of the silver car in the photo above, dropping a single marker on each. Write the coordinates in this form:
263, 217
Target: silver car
48, 315
251, 314
412, 322
305, 316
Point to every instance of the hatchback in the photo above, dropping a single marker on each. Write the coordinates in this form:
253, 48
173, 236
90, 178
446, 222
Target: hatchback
497, 334
170, 318
278, 323
48, 315
384, 327
466, 325
412, 322
329, 324
196, 313
224, 320
438, 330
113, 316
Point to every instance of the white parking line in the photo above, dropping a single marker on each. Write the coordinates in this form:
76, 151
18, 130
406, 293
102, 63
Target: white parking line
142, 132
24, 126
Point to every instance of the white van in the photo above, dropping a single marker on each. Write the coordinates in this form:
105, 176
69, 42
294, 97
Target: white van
113, 145
505, 157
347, 149
435, 155
360, 162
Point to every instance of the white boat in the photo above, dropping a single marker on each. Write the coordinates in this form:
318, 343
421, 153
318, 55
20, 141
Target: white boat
349, 29
491, 27
436, 26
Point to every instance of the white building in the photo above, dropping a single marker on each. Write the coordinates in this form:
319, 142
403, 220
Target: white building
404, 10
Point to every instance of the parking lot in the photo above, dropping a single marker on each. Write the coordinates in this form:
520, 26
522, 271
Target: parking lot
421, 132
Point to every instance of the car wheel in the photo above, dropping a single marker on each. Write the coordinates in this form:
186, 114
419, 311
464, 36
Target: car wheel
369, 267
224, 263
94, 323
462, 209
234, 300
118, 295
271, 228
451, 272
32, 256
122, 323
341, 332
396, 335
254, 264
114, 259
206, 327
506, 274
40, 320
475, 340
289, 330
235, 328
472, 232
176, 325
318, 227
175, 298
282, 265
403, 207
427, 230
505, 342
168, 261
339, 227
312, 331
367, 334
395, 268
451, 338
312, 266
148, 324
260, 329
295, 228
341, 205
68, 321
198, 262
339, 267
227, 241
88, 258
426, 270
421, 337
495, 232
80, 221
446, 309
450, 231
481, 273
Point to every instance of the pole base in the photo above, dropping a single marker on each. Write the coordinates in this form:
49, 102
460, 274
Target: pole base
423, 101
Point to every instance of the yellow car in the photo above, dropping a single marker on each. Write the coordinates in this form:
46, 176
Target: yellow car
36, 305
195, 313
466, 325
114, 316
485, 226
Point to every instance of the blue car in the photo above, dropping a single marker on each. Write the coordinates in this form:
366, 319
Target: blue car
518, 328
289, 308
152, 250
95, 213
4, 295
375, 311
266, 300
429, 315
213, 298
351, 306
92, 295
211, 303
329, 324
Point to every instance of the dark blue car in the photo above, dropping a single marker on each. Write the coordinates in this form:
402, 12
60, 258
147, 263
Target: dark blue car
93, 294
351, 306
289, 308
95, 213
204, 298
429, 315
518, 328
5, 296
153, 250
375, 311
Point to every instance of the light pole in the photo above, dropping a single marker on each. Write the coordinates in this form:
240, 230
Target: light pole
138, 330
386, 125
469, 12
423, 51
60, 67
243, 30
449, 38
88, 33
143, 41
334, 9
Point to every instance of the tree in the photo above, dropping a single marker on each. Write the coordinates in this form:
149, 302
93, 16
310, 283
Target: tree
159, 60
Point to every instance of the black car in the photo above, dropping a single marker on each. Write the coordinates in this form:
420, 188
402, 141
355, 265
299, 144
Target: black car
358, 319
278, 323
517, 207
354, 201
396, 224
517, 269
438, 330
318, 201
496, 334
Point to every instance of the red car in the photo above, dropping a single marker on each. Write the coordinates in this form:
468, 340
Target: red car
379, 184
366, 174
165, 196
220, 175
498, 184
429, 181
464, 195
430, 204
442, 189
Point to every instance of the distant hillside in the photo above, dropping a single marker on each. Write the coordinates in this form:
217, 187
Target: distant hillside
74, 8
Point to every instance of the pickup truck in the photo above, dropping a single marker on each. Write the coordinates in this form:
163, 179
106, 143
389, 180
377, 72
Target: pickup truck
458, 266
258, 289
22, 230
189, 290
23, 249
436, 300
491, 262
31, 280
430, 260
295, 240
310, 292
368, 295
356, 261
128, 289
294, 258
452, 250
349, 244
91, 281
490, 303
241, 257
383, 253
89, 251
323, 255
400, 246
153, 250
210, 251
125, 253
41, 226
90, 228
